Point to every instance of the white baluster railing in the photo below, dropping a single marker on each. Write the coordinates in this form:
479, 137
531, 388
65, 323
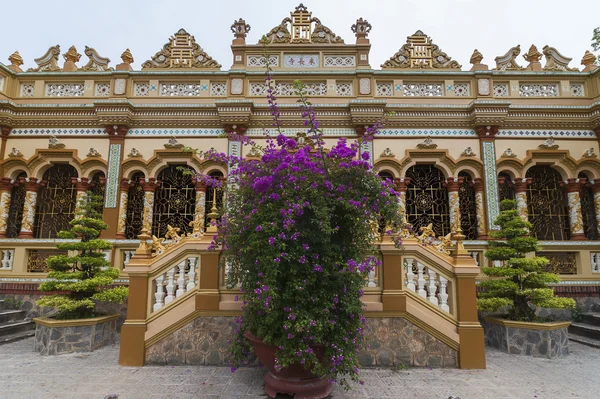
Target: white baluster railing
175, 282
7, 259
127, 257
427, 283
595, 259
475, 256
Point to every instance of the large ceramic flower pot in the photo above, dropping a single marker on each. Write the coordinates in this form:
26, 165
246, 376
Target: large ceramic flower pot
293, 380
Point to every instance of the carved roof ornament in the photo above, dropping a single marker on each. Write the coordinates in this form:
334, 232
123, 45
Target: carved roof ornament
240, 29
181, 51
134, 153
96, 62
173, 144
468, 152
302, 30
555, 61
549, 144
127, 58
15, 153
476, 57
533, 56
15, 62
427, 144
589, 153
48, 62
588, 61
361, 28
387, 153
54, 143
508, 61
508, 153
93, 153
420, 53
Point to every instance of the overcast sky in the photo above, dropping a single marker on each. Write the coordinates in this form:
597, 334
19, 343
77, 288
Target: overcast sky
144, 26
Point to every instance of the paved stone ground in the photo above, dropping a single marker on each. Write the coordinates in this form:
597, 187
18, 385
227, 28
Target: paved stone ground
27, 375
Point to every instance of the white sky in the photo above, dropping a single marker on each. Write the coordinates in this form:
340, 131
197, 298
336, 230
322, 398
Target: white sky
144, 26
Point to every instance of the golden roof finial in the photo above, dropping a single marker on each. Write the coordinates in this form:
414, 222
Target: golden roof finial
127, 57
476, 58
16, 59
72, 55
533, 55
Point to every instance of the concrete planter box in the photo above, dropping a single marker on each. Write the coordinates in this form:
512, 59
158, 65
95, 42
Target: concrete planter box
548, 340
54, 337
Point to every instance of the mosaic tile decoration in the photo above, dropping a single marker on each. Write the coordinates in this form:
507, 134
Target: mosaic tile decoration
428, 132
175, 132
112, 181
59, 132
332, 132
574, 134
491, 183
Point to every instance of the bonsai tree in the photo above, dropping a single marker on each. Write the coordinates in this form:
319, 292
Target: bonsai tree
521, 282
86, 274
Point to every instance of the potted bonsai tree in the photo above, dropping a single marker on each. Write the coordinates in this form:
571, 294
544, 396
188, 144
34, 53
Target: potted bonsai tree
520, 285
297, 235
85, 276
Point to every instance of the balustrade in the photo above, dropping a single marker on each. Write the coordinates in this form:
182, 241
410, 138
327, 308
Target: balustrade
427, 283
7, 259
175, 282
595, 260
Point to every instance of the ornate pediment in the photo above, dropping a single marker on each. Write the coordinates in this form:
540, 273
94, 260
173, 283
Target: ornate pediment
181, 51
96, 61
302, 28
419, 52
47, 62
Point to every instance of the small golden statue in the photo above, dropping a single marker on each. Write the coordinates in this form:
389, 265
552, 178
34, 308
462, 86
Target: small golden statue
427, 234
197, 226
172, 234
157, 245
445, 243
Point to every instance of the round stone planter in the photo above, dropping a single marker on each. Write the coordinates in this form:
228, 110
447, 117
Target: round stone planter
55, 337
548, 340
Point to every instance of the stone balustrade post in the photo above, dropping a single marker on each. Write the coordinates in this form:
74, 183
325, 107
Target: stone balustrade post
123, 201
596, 190
32, 185
480, 208
82, 185
453, 185
521, 196
575, 216
401, 187
149, 185
6, 186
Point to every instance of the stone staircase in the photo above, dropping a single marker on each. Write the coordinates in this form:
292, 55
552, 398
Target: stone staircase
13, 325
586, 331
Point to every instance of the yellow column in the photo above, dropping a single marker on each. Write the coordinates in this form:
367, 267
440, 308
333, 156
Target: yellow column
453, 185
123, 201
521, 196
5, 191
32, 186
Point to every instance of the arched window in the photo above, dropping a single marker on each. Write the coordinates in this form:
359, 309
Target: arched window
135, 208
547, 204
427, 199
210, 198
174, 200
55, 202
98, 184
506, 189
590, 225
468, 208
15, 211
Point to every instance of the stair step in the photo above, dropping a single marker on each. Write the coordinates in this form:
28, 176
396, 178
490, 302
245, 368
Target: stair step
16, 327
11, 315
5, 339
594, 343
586, 330
591, 318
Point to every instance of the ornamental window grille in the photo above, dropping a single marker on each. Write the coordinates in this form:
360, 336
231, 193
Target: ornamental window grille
588, 213
506, 189
560, 262
98, 188
37, 259
211, 194
468, 207
174, 200
135, 208
547, 204
55, 202
427, 199
15, 211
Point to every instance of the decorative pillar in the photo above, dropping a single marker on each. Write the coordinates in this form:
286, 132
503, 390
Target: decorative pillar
149, 186
487, 135
82, 185
453, 185
124, 198
596, 190
478, 186
4, 132
575, 216
6, 187
401, 186
200, 210
32, 185
521, 196
110, 212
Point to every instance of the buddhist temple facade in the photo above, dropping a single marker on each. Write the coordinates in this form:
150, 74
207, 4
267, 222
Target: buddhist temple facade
456, 140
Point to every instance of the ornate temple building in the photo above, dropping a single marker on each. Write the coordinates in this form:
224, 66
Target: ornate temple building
457, 140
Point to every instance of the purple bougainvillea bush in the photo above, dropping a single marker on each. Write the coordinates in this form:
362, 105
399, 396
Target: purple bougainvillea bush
297, 237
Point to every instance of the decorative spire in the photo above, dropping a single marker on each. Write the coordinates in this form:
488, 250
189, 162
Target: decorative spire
588, 61
71, 57
533, 56
127, 58
361, 30
15, 62
240, 29
476, 57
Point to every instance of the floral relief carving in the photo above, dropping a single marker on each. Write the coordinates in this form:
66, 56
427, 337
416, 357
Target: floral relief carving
576, 219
